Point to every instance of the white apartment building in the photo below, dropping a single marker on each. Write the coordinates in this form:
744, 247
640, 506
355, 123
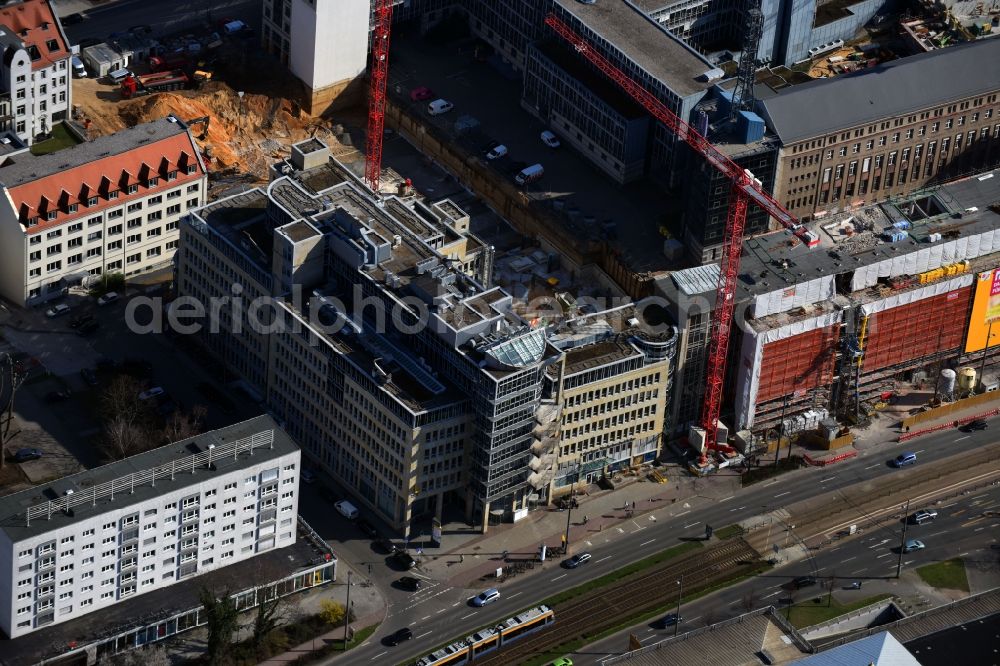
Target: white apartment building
106, 206
99, 537
324, 44
35, 69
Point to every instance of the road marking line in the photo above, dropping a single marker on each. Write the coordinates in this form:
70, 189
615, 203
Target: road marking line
378, 655
850, 558
441, 611
606, 557
829, 478
646, 543
726, 499
860, 571
455, 604
682, 513
945, 506
731, 510
427, 634
466, 617
961, 438
787, 492
511, 596
692, 524
962, 554
883, 555
772, 595
979, 529
637, 530
419, 575
874, 466
426, 617
558, 577
919, 451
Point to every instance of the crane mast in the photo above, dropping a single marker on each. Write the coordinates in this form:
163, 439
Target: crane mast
378, 76
744, 189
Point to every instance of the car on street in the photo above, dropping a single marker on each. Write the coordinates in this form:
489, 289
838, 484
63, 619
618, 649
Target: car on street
439, 106
403, 560
421, 94
550, 139
497, 152
803, 581
923, 516
366, 528
89, 377
562, 661
669, 620
24, 455
77, 322
974, 425
72, 19
485, 597
57, 396
912, 545
576, 560
386, 545
904, 459
57, 311
154, 392
398, 637
108, 298
409, 583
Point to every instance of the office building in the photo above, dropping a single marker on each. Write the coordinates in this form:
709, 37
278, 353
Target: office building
433, 391
887, 131
86, 542
110, 205
324, 45
35, 74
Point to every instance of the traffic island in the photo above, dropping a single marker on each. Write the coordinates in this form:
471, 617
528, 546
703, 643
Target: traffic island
949, 574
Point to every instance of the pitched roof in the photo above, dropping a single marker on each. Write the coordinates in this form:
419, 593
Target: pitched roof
34, 22
878, 650
45, 183
891, 89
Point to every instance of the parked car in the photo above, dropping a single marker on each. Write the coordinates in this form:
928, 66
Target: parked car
923, 516
403, 560
576, 560
912, 545
154, 392
485, 597
72, 19
409, 583
421, 94
24, 455
562, 661
367, 528
89, 377
904, 459
347, 510
307, 476
77, 322
497, 152
108, 298
439, 106
387, 545
974, 425
550, 139
398, 637
669, 620
57, 396
803, 581
87, 328
57, 311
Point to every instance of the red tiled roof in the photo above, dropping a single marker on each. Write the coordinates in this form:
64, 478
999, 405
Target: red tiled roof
56, 191
31, 16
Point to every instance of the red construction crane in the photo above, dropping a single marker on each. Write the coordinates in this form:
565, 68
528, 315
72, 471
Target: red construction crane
743, 188
378, 75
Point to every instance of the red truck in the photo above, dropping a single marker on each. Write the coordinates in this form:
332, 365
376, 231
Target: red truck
134, 86
169, 62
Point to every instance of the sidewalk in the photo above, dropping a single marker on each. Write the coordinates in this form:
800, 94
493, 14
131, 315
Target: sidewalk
321, 641
465, 564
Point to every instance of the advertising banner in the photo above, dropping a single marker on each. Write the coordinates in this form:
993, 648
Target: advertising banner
984, 322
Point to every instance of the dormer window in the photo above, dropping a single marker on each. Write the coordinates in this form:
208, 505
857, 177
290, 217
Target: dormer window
73, 208
32, 221
33, 53
113, 194
51, 215
91, 201
132, 189
172, 175
192, 168
153, 182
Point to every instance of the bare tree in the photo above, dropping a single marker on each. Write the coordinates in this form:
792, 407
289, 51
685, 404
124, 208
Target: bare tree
221, 619
148, 656
126, 419
183, 425
269, 613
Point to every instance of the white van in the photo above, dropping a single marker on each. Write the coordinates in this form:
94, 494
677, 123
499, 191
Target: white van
439, 106
79, 71
118, 75
346, 509
529, 174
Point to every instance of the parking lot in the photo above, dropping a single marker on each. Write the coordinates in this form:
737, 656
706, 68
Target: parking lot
632, 214
57, 406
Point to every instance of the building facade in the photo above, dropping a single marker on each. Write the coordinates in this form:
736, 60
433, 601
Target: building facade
323, 44
35, 70
110, 205
430, 393
887, 131
146, 522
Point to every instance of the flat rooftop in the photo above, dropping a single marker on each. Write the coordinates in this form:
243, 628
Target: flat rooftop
600, 353
626, 28
14, 508
162, 603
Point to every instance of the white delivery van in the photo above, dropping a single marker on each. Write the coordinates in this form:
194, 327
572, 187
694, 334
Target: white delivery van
529, 174
346, 509
439, 106
79, 71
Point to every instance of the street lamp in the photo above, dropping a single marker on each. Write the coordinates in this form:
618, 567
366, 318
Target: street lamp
680, 593
986, 351
902, 542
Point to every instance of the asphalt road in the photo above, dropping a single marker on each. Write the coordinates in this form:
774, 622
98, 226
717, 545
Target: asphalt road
164, 17
439, 612
960, 530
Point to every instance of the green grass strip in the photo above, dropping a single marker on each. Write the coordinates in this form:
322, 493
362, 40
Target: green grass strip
949, 574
